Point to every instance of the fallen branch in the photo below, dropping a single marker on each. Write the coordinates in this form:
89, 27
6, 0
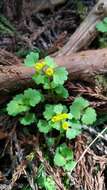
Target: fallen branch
7, 58
86, 33
83, 66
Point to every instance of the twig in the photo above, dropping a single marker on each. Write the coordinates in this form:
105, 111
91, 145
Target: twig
94, 132
85, 151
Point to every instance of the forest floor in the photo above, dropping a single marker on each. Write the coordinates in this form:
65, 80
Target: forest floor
48, 31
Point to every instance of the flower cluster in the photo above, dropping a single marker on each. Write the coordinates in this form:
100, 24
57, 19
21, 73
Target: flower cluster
57, 117
60, 117
49, 72
41, 66
50, 76
65, 125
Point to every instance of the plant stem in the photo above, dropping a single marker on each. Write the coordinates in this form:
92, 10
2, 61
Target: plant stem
58, 139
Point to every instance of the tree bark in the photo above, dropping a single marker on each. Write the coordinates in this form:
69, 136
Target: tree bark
7, 58
86, 32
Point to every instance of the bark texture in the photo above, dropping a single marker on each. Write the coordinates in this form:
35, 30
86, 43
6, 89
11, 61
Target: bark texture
87, 32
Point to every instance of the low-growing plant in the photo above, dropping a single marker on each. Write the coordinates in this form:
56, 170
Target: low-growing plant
55, 117
64, 157
43, 180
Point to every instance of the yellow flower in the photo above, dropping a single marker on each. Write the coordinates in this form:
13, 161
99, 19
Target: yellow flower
60, 117
49, 72
65, 125
54, 119
39, 66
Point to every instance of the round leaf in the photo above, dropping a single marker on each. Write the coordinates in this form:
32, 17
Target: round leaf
78, 106
89, 116
72, 133
31, 59
50, 62
70, 165
28, 119
49, 111
43, 126
61, 91
32, 97
60, 76
102, 27
58, 108
66, 152
59, 160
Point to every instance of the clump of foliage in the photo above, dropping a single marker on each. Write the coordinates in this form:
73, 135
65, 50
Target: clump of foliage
43, 181
66, 121
102, 28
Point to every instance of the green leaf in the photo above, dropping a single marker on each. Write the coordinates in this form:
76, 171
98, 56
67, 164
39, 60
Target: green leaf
64, 157
58, 108
105, 20
89, 116
50, 62
60, 76
32, 97
78, 106
43, 126
53, 85
57, 126
38, 78
72, 133
69, 165
28, 119
101, 27
42, 79
65, 109
47, 84
49, 184
16, 107
75, 124
70, 116
19, 98
49, 111
22, 102
59, 160
31, 59
50, 141
61, 91
66, 152
41, 176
